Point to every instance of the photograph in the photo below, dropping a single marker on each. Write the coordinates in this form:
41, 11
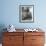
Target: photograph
26, 13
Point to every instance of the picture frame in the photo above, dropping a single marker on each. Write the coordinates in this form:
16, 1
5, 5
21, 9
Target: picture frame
26, 13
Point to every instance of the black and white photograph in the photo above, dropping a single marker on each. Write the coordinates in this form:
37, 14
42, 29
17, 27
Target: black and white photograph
26, 13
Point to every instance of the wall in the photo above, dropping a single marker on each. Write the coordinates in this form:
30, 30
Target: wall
10, 13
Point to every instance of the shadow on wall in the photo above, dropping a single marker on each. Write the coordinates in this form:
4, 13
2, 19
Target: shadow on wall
2, 26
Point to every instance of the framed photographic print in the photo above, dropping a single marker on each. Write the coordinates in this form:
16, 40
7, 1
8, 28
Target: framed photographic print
26, 13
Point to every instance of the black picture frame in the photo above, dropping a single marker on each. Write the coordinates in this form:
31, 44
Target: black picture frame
26, 13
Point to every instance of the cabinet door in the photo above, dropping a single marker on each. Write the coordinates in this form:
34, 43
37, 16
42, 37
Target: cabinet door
37, 40
18, 41
5, 41
27, 40
15, 40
